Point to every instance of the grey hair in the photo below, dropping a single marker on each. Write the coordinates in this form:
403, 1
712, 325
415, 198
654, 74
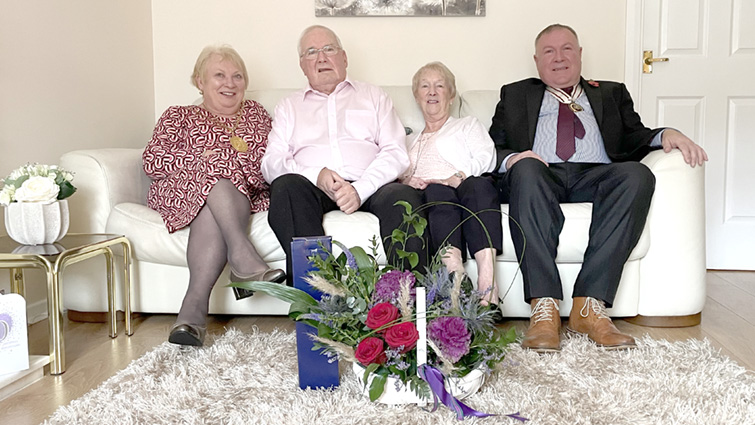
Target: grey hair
553, 27
448, 77
312, 28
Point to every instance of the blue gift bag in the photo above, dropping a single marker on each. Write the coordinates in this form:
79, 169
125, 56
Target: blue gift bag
315, 370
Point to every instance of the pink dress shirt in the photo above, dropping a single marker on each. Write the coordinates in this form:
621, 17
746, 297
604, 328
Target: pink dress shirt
354, 131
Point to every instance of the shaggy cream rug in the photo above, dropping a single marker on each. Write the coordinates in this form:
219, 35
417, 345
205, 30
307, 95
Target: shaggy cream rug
252, 378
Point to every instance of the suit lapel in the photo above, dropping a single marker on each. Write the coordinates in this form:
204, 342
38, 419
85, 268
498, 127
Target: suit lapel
534, 101
596, 101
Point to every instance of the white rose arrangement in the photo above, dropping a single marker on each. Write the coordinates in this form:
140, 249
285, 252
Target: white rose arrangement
37, 183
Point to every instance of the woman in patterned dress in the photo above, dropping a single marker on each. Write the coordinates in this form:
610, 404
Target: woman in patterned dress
204, 162
446, 161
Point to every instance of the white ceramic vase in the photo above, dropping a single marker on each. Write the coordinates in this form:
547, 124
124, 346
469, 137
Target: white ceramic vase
458, 387
35, 223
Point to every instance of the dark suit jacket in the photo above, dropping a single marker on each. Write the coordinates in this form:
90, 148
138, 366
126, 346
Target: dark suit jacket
515, 120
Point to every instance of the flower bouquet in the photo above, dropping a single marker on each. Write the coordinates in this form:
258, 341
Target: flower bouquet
37, 183
367, 315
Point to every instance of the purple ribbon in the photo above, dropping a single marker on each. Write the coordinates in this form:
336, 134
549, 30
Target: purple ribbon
435, 379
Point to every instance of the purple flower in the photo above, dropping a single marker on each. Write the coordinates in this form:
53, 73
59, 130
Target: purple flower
388, 287
350, 260
451, 336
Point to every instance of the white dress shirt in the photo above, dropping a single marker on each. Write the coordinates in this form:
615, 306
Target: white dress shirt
354, 131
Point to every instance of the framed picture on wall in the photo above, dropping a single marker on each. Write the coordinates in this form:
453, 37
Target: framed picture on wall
399, 7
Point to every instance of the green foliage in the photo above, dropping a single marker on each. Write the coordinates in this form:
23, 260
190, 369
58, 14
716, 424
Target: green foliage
412, 226
66, 188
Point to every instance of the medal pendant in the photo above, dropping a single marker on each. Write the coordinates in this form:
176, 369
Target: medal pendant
575, 107
239, 144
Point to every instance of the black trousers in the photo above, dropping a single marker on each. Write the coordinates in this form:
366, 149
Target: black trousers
297, 208
620, 194
443, 220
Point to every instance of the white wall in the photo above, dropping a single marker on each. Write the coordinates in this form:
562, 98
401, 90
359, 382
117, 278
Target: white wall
483, 52
74, 74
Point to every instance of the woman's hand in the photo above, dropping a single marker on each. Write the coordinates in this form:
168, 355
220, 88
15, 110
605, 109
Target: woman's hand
453, 181
415, 182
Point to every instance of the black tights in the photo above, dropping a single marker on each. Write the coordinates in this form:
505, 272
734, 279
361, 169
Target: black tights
217, 235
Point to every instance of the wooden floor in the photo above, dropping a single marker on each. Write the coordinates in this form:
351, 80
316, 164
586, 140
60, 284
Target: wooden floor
728, 321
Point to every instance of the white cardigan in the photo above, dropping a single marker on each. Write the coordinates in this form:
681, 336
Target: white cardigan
465, 144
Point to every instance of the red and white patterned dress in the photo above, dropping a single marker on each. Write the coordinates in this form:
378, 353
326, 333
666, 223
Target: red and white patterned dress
183, 177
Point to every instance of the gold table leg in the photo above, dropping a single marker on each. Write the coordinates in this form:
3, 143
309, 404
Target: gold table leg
17, 281
111, 293
57, 344
127, 284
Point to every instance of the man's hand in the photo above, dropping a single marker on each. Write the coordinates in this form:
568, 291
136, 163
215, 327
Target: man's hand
415, 182
326, 180
339, 190
693, 153
526, 154
346, 196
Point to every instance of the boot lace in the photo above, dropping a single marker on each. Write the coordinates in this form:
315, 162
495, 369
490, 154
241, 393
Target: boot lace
543, 310
598, 308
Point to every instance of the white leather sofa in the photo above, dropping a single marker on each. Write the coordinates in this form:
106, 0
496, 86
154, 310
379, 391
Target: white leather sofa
663, 281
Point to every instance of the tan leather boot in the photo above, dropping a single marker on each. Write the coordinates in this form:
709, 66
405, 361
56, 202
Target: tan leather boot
543, 335
588, 317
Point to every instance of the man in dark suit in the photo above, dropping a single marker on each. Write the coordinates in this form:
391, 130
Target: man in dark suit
563, 139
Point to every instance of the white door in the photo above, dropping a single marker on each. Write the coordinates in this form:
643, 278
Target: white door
707, 91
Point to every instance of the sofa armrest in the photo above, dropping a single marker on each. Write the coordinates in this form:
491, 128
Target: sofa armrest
673, 271
103, 179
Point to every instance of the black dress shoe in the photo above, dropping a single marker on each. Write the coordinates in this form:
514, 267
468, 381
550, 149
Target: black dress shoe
269, 275
185, 334
497, 313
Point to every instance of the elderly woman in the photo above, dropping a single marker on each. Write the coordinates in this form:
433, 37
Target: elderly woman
447, 159
204, 163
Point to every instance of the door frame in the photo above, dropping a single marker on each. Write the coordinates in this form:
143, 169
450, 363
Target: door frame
633, 50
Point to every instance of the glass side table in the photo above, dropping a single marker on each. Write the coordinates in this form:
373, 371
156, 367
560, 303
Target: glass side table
53, 258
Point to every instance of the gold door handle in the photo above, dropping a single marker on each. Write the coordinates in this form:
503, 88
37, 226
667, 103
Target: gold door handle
647, 61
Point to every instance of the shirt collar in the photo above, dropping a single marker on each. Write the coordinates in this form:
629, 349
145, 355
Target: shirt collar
341, 86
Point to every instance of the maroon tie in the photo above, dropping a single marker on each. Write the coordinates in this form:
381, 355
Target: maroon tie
569, 126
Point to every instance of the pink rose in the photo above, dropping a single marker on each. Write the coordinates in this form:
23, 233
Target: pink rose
370, 350
402, 334
380, 315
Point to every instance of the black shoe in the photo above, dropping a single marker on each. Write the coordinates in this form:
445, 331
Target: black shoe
269, 275
185, 334
497, 313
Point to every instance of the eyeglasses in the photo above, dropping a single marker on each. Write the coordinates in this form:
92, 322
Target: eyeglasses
312, 53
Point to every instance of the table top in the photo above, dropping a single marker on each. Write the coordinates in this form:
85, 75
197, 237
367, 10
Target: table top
69, 242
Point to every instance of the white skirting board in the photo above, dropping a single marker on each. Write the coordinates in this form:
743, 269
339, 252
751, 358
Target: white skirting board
10, 383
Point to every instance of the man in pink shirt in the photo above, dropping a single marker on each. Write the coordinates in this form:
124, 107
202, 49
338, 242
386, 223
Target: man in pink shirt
337, 144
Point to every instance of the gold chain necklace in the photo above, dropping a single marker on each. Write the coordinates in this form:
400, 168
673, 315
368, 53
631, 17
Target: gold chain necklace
236, 142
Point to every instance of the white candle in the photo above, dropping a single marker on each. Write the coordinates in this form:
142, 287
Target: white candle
421, 326
422, 330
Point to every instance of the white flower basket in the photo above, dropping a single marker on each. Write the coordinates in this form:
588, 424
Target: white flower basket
460, 388
36, 223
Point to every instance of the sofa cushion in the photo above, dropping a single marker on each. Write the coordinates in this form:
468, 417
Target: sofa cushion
480, 104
